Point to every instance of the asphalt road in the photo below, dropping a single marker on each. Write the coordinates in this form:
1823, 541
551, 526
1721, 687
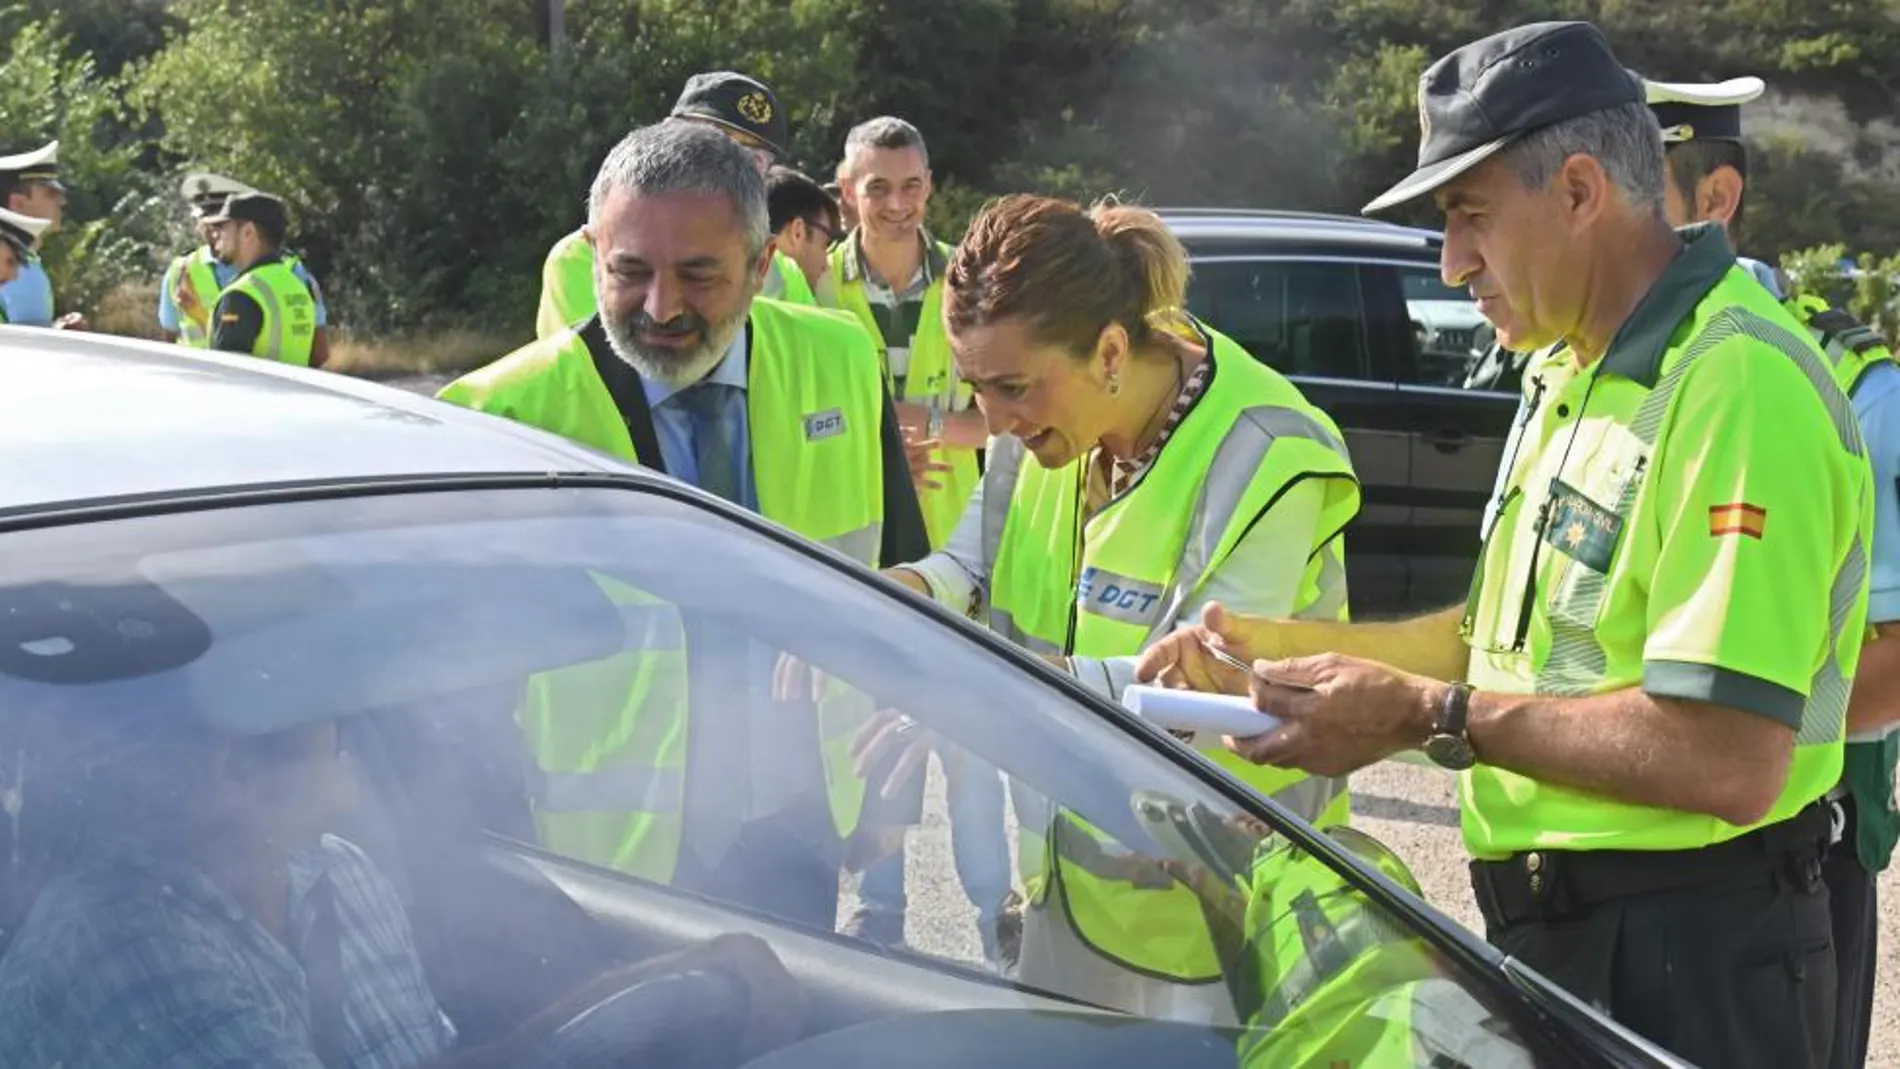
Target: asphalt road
1412, 810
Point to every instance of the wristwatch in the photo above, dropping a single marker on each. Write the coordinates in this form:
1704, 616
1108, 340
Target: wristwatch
934, 428
1448, 745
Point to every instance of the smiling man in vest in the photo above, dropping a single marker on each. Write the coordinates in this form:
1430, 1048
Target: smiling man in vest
775, 407
888, 271
266, 310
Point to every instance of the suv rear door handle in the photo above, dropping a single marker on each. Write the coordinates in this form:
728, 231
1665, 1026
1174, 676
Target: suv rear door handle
1448, 440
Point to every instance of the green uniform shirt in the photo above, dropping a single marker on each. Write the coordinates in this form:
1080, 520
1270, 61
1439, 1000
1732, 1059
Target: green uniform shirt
1690, 514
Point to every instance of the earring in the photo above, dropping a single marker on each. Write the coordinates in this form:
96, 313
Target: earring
1114, 383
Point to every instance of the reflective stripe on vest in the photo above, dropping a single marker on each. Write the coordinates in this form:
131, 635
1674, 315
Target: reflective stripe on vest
616, 732
930, 376
290, 312
1142, 558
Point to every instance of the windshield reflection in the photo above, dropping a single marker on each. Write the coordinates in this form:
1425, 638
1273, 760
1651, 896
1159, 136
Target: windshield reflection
280, 768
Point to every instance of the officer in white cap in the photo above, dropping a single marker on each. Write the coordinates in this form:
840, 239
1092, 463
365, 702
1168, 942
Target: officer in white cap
1707, 171
194, 280
29, 185
18, 234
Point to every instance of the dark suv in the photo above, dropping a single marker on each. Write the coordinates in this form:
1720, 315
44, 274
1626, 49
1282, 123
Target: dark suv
1354, 312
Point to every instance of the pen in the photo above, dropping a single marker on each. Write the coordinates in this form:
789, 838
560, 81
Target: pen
1234, 662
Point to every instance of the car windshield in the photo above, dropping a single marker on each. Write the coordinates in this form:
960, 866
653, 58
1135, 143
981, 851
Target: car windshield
411, 772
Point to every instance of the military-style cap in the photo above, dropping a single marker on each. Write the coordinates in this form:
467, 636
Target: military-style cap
735, 102
252, 207
1488, 94
207, 192
39, 165
21, 231
1702, 111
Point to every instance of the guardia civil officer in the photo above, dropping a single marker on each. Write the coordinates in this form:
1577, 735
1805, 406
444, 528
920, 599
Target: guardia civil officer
779, 409
1647, 687
1708, 168
193, 281
266, 310
1142, 463
30, 185
737, 105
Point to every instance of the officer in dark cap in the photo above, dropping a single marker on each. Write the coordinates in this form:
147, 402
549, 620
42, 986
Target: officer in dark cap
1645, 690
741, 107
1708, 168
30, 185
267, 310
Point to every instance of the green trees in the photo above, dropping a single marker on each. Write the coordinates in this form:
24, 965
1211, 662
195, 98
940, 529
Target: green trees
431, 150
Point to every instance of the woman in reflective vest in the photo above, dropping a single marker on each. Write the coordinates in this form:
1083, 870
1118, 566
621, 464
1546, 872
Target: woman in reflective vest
611, 739
1166, 467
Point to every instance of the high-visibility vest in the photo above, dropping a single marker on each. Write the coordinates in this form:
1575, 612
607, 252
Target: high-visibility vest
200, 273
610, 738
290, 311
1323, 976
794, 288
567, 286
1110, 594
931, 376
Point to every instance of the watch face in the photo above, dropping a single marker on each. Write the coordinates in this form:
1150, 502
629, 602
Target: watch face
1450, 751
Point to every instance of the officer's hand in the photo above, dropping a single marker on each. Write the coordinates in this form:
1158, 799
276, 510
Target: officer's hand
891, 736
924, 469
1184, 661
1355, 713
71, 321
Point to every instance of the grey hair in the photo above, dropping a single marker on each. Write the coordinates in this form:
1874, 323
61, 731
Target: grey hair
885, 131
1625, 139
686, 157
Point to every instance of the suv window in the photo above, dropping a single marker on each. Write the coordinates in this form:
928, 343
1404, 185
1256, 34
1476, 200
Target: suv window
1301, 318
1449, 334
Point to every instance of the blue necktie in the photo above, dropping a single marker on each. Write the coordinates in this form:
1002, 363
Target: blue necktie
718, 740
706, 405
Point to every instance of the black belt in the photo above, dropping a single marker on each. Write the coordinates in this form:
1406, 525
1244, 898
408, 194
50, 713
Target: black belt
1551, 884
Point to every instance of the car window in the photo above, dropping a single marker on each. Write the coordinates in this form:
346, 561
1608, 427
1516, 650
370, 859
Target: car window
619, 684
1453, 344
1302, 318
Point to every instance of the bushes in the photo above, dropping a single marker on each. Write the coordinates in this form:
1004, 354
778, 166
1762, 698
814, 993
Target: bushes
432, 150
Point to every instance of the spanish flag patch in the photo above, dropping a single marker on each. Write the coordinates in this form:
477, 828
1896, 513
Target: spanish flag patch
1737, 518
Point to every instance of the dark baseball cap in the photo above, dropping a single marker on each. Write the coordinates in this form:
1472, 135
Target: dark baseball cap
736, 102
260, 208
1486, 95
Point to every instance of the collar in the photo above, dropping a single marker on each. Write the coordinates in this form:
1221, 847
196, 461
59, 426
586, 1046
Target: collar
729, 371
935, 262
262, 261
1636, 351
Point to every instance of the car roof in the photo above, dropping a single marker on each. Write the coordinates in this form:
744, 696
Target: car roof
88, 416
1200, 228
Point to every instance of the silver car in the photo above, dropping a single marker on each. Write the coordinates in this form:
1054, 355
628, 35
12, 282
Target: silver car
266, 639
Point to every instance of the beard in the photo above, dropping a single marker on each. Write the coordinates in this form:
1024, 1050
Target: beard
673, 365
